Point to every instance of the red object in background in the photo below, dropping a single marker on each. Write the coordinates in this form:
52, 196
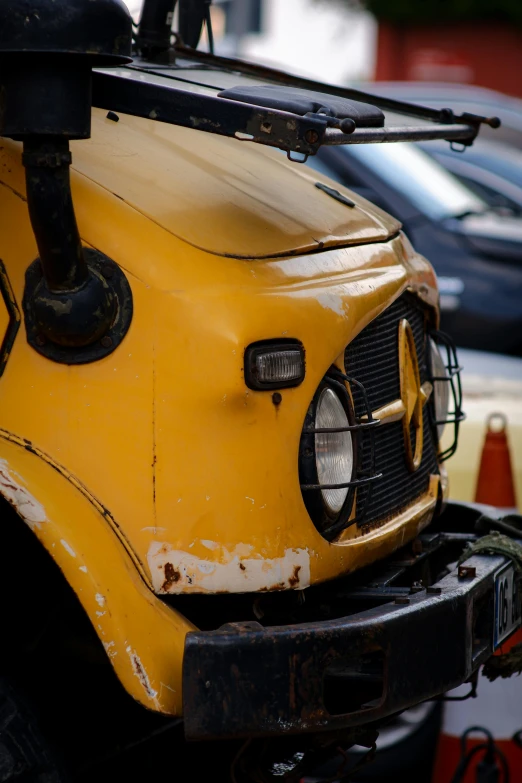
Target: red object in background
498, 705
486, 54
495, 484
498, 708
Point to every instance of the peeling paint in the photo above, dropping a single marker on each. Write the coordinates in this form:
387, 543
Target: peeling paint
68, 548
332, 301
140, 673
100, 599
30, 510
108, 649
84, 569
212, 545
176, 571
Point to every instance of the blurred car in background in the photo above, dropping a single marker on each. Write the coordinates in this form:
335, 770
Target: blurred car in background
492, 171
476, 250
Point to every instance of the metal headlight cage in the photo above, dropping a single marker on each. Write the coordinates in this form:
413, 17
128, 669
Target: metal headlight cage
327, 525
453, 369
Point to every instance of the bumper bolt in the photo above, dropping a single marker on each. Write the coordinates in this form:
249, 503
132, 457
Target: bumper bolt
467, 572
311, 136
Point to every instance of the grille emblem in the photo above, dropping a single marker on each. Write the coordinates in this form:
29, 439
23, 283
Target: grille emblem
412, 396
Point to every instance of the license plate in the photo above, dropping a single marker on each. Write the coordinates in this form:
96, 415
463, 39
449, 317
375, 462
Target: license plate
507, 604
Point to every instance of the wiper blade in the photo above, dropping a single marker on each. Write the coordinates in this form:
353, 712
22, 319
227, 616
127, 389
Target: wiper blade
445, 116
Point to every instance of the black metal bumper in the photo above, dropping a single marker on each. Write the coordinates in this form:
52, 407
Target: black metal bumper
245, 679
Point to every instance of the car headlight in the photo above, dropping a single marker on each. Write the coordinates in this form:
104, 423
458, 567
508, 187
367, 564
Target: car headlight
333, 450
327, 461
441, 390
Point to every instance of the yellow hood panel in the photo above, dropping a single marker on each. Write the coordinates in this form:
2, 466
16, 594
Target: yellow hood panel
222, 195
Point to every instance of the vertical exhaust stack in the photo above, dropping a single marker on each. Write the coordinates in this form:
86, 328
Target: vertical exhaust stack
48, 49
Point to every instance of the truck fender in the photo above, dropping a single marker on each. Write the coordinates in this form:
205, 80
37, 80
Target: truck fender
143, 637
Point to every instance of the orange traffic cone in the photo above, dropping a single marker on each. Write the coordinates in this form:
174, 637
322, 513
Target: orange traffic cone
497, 709
495, 484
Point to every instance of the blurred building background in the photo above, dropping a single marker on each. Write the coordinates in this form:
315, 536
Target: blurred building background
474, 42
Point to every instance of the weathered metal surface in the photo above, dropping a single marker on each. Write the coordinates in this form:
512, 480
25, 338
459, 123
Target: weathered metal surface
454, 132
176, 571
245, 679
280, 129
107, 273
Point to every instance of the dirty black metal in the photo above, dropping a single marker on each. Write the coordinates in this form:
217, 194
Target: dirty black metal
99, 29
192, 15
455, 415
46, 98
49, 199
373, 359
155, 27
14, 318
47, 52
465, 133
71, 306
208, 113
382, 656
273, 127
111, 276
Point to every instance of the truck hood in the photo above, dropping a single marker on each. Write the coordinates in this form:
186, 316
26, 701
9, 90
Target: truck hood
229, 197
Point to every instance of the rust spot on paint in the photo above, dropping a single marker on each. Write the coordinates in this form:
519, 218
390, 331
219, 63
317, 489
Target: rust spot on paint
141, 674
242, 567
172, 575
294, 579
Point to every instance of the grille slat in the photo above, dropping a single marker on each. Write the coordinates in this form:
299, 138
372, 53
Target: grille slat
373, 359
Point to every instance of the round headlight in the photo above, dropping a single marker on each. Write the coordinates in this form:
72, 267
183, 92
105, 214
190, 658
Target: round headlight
333, 450
441, 391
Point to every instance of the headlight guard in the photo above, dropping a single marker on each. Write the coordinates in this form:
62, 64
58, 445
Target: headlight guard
451, 377
329, 522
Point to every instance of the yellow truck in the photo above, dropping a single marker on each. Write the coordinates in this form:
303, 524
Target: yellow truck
222, 393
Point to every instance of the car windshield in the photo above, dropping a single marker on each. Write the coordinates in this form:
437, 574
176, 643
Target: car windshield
432, 189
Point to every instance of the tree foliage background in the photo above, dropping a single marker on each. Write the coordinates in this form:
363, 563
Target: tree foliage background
433, 11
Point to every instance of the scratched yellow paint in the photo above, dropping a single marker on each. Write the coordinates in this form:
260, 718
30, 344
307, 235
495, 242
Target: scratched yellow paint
163, 433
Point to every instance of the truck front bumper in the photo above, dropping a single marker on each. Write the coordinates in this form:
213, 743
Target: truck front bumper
395, 647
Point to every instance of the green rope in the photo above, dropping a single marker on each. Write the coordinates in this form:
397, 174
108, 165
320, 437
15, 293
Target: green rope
496, 544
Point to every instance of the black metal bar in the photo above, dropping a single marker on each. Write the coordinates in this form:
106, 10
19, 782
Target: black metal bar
243, 680
51, 210
364, 425
280, 77
154, 29
344, 485
464, 133
274, 128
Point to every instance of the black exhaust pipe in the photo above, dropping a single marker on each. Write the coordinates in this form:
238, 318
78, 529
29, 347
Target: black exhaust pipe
47, 51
